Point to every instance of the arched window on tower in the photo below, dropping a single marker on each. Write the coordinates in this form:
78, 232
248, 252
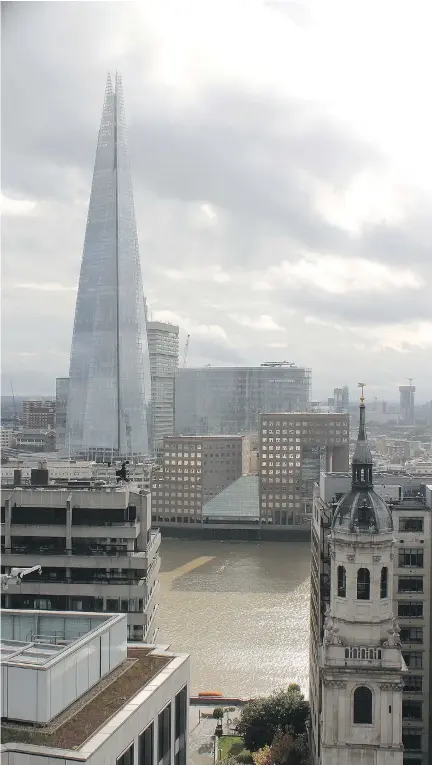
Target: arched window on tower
362, 713
363, 584
341, 582
384, 582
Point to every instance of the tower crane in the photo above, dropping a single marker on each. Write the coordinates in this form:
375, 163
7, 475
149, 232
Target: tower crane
185, 352
14, 406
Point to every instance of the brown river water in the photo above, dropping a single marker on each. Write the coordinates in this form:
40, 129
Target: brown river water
241, 609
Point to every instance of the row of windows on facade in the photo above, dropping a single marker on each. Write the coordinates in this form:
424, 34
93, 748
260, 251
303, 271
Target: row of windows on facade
363, 583
150, 744
411, 524
405, 583
191, 518
330, 428
264, 503
304, 424
282, 471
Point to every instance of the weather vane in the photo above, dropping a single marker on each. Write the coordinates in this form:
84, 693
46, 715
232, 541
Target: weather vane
362, 386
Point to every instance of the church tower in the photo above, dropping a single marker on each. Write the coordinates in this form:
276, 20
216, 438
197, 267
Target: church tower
361, 660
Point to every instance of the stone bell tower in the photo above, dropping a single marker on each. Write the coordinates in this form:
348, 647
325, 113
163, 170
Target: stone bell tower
361, 658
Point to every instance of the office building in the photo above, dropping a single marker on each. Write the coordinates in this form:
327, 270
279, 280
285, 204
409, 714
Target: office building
407, 412
357, 667
109, 374
194, 469
163, 344
72, 473
34, 440
38, 415
410, 502
62, 388
293, 449
341, 399
227, 400
95, 546
75, 691
7, 438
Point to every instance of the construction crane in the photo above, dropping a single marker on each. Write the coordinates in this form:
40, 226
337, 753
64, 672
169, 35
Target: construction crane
14, 405
185, 352
410, 380
128, 429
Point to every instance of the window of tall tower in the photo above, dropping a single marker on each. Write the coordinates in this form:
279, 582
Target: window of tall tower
363, 584
341, 582
362, 703
384, 583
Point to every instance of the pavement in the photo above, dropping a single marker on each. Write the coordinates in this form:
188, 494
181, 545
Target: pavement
202, 734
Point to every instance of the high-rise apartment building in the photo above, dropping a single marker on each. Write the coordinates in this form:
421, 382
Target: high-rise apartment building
163, 344
407, 412
341, 399
293, 449
95, 546
225, 400
62, 389
39, 415
357, 668
109, 376
194, 469
410, 502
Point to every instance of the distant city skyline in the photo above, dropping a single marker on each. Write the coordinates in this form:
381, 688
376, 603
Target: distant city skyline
282, 203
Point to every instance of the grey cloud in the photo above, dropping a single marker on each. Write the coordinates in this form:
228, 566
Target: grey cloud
256, 159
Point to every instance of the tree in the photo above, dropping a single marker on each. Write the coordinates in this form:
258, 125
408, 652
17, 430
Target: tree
263, 756
262, 718
218, 713
285, 750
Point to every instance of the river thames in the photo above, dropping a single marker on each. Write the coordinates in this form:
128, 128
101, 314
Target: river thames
241, 609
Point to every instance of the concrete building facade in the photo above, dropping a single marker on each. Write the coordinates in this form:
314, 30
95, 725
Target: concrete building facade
293, 449
75, 692
229, 400
410, 501
194, 469
163, 345
96, 548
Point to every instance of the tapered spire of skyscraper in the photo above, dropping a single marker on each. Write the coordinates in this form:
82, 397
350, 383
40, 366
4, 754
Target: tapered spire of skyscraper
109, 388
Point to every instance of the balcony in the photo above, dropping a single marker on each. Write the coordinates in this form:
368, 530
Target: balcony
125, 529
357, 656
110, 588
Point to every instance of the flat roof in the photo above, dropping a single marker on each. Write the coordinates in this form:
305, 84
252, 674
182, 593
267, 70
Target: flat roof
20, 652
77, 723
35, 638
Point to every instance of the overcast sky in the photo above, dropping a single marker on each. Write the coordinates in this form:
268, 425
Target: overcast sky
282, 169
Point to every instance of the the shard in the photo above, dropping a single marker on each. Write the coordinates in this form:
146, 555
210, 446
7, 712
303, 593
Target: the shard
109, 374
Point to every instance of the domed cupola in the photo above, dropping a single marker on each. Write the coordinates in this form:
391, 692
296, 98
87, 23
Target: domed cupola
362, 510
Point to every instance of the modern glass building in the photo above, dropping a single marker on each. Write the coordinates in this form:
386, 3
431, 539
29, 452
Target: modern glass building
229, 400
109, 376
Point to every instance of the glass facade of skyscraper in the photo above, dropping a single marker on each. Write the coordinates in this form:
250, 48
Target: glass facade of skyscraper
228, 400
109, 377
